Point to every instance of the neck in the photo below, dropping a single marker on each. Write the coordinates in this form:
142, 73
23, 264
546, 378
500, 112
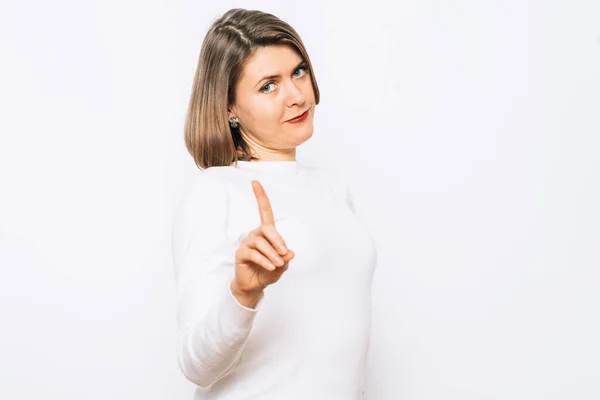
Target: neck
283, 155
267, 154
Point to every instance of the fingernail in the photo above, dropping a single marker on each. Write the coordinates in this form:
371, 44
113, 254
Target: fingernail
282, 249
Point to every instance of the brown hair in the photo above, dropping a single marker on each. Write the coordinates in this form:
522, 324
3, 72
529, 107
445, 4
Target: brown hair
230, 42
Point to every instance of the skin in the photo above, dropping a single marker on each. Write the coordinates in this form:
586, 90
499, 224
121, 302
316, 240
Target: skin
263, 107
263, 246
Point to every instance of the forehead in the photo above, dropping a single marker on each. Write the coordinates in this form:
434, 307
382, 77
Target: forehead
270, 60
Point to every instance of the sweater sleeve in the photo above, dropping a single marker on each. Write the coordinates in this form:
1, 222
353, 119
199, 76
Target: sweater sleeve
349, 197
213, 327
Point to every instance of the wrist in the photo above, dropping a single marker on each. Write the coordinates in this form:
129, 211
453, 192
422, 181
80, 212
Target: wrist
246, 298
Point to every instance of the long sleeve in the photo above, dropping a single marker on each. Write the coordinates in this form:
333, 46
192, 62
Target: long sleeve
349, 193
349, 198
213, 326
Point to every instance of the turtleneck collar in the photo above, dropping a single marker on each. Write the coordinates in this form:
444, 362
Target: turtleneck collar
271, 167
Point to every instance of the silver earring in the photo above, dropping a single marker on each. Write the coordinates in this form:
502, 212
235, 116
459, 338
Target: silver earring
233, 122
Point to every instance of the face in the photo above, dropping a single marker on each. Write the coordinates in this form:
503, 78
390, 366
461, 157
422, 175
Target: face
274, 87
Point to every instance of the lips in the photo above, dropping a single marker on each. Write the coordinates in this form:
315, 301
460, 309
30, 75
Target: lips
298, 116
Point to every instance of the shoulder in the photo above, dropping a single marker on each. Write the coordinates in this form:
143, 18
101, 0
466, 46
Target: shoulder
210, 176
333, 180
201, 212
204, 197
207, 184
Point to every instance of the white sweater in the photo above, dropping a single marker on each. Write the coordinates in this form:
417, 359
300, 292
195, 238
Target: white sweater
308, 337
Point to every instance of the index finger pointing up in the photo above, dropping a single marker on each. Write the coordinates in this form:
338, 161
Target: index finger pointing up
264, 205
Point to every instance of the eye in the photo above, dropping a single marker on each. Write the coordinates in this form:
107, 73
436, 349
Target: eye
267, 85
303, 68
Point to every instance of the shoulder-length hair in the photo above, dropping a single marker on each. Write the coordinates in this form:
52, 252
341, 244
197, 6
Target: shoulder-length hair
230, 42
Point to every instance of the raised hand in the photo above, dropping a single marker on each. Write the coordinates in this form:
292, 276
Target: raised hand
262, 257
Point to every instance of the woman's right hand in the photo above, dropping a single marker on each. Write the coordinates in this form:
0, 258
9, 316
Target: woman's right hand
262, 246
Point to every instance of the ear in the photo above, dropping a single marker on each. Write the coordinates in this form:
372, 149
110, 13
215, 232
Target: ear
231, 112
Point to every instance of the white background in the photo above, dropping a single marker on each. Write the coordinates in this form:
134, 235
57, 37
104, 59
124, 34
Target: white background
469, 129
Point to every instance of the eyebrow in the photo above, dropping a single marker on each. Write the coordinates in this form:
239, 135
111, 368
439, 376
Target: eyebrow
278, 76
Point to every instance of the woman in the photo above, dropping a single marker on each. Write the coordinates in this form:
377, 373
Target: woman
273, 292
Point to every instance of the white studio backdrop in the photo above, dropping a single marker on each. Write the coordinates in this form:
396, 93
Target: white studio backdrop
469, 129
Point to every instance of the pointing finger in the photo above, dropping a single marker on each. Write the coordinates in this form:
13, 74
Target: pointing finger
264, 205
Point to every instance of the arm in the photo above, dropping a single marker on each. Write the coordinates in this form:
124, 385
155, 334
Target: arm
352, 204
349, 197
213, 325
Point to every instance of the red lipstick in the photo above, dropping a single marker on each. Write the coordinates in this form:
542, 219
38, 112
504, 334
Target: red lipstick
299, 118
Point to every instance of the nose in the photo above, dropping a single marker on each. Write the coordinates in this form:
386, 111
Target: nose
295, 95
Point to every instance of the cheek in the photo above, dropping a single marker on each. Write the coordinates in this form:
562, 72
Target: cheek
308, 89
264, 112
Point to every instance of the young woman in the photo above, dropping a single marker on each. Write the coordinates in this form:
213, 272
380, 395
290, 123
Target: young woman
273, 268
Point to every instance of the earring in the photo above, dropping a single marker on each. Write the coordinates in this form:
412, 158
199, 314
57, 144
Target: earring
233, 122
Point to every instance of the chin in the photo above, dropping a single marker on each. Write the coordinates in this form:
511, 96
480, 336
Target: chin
303, 135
